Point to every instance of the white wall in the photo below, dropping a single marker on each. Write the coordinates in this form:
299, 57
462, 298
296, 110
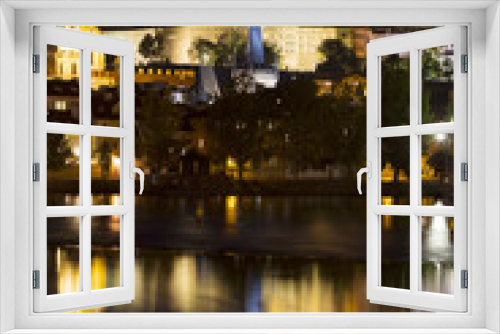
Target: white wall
492, 148
259, 17
7, 160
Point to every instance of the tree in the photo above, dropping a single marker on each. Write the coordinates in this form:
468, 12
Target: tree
58, 144
104, 148
437, 73
301, 124
395, 108
202, 49
238, 124
159, 131
151, 47
230, 50
436, 69
339, 60
317, 131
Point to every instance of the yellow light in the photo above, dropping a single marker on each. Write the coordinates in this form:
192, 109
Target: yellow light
116, 161
231, 202
115, 199
114, 224
387, 200
231, 163
387, 173
231, 213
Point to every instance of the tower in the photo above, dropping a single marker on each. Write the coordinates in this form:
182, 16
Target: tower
255, 47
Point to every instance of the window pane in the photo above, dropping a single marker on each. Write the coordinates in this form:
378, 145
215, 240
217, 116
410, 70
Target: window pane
105, 104
395, 175
437, 254
395, 86
105, 171
105, 252
63, 169
437, 169
395, 231
437, 84
63, 255
63, 85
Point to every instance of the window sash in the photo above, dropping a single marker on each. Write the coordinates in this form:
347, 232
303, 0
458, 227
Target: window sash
413, 43
86, 297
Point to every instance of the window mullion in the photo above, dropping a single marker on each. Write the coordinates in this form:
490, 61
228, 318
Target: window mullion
434, 128
86, 179
414, 167
66, 129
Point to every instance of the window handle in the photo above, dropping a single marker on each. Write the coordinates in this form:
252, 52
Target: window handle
368, 171
139, 171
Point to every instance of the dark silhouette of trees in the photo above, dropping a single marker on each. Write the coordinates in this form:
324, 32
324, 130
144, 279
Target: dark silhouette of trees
290, 122
104, 147
301, 124
202, 48
151, 47
340, 60
59, 151
159, 131
321, 131
395, 80
230, 49
239, 124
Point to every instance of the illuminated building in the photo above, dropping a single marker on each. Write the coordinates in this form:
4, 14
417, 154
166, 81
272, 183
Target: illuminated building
297, 45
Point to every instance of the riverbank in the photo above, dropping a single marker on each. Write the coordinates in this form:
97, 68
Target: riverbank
210, 186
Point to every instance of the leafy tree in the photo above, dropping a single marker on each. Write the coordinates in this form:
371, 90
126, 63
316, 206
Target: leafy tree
238, 124
396, 99
321, 131
300, 124
202, 49
159, 126
104, 148
339, 60
230, 50
58, 144
272, 54
438, 70
151, 47
395, 107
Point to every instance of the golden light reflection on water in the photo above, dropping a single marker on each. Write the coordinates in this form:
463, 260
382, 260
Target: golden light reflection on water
68, 272
167, 282
180, 281
387, 220
231, 213
102, 276
183, 283
308, 294
105, 274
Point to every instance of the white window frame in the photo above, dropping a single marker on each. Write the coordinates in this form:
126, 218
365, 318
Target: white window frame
376, 132
483, 102
125, 133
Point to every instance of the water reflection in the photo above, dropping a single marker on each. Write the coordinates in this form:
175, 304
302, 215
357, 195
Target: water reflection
176, 282
63, 268
181, 282
231, 213
249, 254
437, 254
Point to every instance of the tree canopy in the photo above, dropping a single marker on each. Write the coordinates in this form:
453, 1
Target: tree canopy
340, 61
230, 49
151, 47
159, 126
